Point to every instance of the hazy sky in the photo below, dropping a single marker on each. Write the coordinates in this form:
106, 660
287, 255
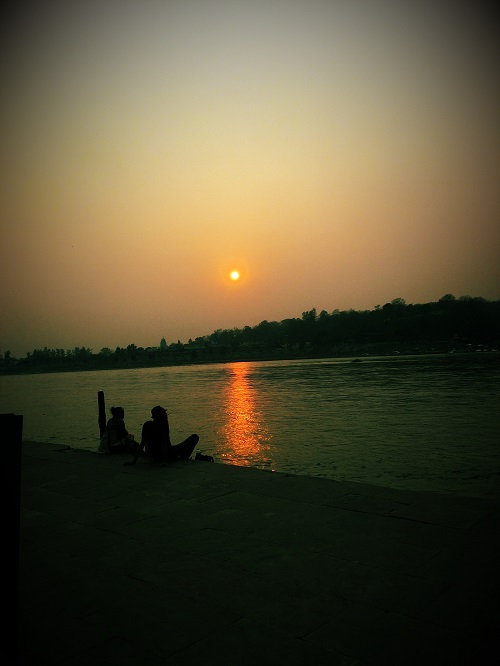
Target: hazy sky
339, 154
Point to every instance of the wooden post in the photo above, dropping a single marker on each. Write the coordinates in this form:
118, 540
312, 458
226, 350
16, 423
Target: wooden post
102, 412
11, 441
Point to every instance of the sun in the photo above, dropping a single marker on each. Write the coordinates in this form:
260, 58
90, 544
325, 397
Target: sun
234, 275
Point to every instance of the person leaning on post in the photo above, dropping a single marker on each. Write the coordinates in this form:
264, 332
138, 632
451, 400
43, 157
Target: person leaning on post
116, 438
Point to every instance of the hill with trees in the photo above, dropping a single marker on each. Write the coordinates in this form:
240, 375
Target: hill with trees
451, 324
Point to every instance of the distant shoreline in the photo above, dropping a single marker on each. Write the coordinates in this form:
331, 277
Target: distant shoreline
356, 353
447, 326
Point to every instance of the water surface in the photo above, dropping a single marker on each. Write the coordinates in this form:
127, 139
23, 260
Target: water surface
421, 422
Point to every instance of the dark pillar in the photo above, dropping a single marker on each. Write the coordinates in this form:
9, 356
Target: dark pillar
11, 438
102, 412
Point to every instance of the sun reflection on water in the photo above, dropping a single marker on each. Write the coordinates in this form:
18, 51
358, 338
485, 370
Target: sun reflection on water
246, 437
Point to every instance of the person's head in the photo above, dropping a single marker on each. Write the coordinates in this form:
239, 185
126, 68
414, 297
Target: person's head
117, 412
158, 412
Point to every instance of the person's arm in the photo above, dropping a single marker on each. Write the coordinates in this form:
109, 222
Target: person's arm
166, 443
141, 445
121, 431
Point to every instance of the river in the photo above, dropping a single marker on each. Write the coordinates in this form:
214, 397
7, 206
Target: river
411, 422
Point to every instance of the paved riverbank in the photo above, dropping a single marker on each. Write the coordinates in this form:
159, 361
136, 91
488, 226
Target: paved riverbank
202, 563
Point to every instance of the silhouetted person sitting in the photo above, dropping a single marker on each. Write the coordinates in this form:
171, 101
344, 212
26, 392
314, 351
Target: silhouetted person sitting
156, 439
116, 438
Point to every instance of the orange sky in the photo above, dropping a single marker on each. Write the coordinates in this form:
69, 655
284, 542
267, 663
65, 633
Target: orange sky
338, 154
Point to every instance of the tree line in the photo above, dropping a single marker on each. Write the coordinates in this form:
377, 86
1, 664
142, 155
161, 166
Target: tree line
448, 325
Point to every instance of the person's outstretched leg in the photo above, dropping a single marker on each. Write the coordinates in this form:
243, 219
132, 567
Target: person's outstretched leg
184, 450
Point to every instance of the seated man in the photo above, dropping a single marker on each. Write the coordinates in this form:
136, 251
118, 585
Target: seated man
156, 439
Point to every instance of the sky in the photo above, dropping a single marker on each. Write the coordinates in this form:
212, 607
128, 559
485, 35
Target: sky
338, 154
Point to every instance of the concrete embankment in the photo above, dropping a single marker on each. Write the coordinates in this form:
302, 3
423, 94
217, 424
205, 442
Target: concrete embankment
201, 563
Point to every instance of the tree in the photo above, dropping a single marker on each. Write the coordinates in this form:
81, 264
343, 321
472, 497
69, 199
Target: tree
132, 351
7, 359
398, 302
